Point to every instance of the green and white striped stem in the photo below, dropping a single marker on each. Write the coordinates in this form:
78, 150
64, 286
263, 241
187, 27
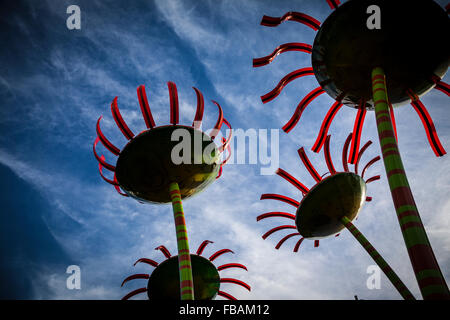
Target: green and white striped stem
184, 257
392, 276
428, 274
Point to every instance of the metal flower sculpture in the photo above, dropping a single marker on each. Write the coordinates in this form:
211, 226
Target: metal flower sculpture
145, 170
164, 283
330, 206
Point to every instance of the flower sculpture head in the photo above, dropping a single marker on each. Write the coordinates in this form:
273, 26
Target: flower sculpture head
409, 46
145, 168
164, 283
330, 206
320, 213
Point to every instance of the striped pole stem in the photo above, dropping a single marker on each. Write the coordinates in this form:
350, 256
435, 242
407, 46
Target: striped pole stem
184, 257
428, 274
392, 276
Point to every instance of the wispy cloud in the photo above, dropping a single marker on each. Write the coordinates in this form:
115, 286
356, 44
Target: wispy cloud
48, 126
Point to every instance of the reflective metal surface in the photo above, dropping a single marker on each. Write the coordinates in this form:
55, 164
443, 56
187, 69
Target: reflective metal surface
411, 46
321, 210
164, 282
145, 169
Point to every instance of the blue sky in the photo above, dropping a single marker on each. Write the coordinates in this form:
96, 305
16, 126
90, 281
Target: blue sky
55, 83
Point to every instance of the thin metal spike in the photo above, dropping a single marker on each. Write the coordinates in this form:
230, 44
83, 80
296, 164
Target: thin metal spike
301, 107
202, 246
145, 107
164, 250
219, 253
345, 152
357, 130
271, 231
285, 175
328, 160
361, 152
325, 126
275, 214
280, 243
231, 265
200, 109
312, 171
133, 293
279, 197
297, 245
235, 281
135, 276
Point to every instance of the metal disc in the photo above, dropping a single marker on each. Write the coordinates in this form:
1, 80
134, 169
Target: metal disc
164, 282
321, 210
145, 167
411, 46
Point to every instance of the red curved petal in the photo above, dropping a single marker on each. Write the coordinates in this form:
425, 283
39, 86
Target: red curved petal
219, 122
326, 125
133, 293
439, 84
279, 244
224, 141
292, 180
100, 159
147, 261
235, 281
377, 158
226, 295
108, 145
145, 107
279, 197
119, 120
291, 46
301, 107
173, 94
326, 151
268, 233
312, 171
219, 174
117, 187
219, 253
374, 178
297, 245
333, 3
164, 250
283, 82
430, 130
361, 152
100, 169
291, 16
275, 214
202, 246
231, 265
227, 141
135, 276
345, 152
200, 108
357, 130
